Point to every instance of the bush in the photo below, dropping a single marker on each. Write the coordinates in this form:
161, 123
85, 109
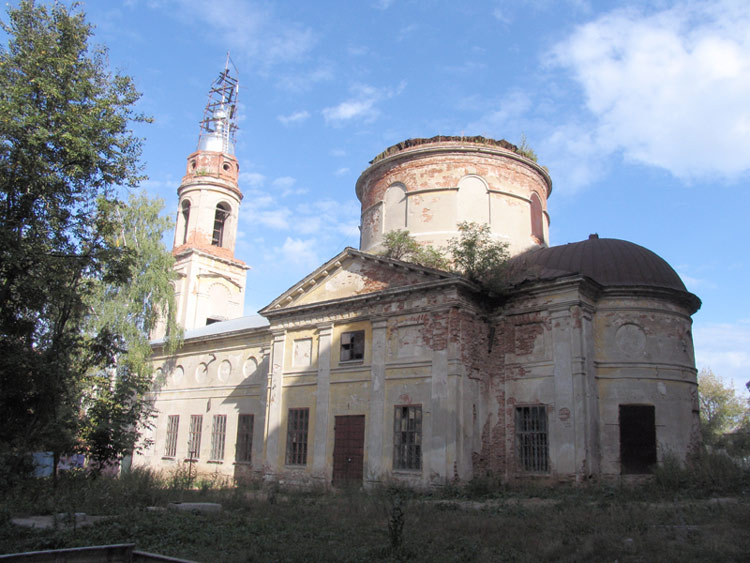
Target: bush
705, 473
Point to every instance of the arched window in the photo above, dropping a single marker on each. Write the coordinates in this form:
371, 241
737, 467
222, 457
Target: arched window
220, 219
537, 218
395, 208
185, 219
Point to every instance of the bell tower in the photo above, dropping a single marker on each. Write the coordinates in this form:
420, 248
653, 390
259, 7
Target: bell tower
211, 281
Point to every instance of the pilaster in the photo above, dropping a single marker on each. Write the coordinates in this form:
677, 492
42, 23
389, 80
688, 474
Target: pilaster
322, 399
375, 427
274, 415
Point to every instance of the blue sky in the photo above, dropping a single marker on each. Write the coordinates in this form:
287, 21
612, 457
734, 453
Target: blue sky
641, 111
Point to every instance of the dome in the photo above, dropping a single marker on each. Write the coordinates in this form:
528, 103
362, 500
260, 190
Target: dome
609, 262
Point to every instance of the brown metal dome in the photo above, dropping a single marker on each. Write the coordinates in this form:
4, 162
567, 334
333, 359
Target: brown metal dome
609, 262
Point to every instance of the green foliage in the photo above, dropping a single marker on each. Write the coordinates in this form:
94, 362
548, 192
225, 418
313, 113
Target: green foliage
66, 150
113, 400
524, 149
706, 473
475, 254
721, 410
479, 257
399, 245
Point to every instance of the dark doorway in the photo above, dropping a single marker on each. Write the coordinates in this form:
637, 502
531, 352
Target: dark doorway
348, 449
637, 438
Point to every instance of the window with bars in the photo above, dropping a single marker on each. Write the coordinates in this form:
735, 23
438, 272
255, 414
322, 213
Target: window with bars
352, 345
407, 437
531, 438
218, 436
173, 424
194, 436
220, 219
244, 447
296, 436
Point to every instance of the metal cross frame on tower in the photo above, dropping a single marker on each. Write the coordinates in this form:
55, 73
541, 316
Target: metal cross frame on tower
219, 123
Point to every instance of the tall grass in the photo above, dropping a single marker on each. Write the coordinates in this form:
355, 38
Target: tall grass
481, 521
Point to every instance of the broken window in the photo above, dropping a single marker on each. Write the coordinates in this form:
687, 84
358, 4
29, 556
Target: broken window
194, 436
218, 436
637, 438
296, 436
185, 219
352, 345
173, 424
407, 437
220, 219
531, 438
245, 437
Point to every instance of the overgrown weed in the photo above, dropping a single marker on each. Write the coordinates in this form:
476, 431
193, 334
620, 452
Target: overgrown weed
479, 521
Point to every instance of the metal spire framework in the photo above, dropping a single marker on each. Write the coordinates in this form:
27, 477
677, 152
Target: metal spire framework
219, 126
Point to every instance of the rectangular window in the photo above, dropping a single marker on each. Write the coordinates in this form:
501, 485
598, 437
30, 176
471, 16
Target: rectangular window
245, 437
296, 436
194, 436
531, 439
407, 437
352, 345
173, 424
218, 435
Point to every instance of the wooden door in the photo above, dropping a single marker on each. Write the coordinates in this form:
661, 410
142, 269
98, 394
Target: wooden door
348, 449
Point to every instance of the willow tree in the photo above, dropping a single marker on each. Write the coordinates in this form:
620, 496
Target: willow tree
67, 151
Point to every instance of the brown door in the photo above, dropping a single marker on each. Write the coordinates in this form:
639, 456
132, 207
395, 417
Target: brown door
348, 449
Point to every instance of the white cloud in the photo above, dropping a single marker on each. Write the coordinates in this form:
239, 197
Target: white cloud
341, 172
507, 114
505, 10
300, 252
725, 348
296, 117
301, 81
246, 27
252, 179
361, 106
668, 88
285, 185
468, 67
153, 185
383, 4
284, 182
274, 218
501, 15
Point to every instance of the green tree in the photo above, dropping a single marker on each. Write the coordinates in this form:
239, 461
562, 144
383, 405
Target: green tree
66, 151
721, 410
113, 405
479, 257
400, 245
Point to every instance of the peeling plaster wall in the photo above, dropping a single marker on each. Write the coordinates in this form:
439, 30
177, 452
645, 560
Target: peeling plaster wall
207, 288
446, 183
209, 377
576, 349
644, 355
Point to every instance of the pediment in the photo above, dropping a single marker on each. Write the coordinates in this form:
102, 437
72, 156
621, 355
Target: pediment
352, 273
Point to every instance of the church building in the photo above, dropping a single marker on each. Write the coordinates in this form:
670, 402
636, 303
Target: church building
374, 370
